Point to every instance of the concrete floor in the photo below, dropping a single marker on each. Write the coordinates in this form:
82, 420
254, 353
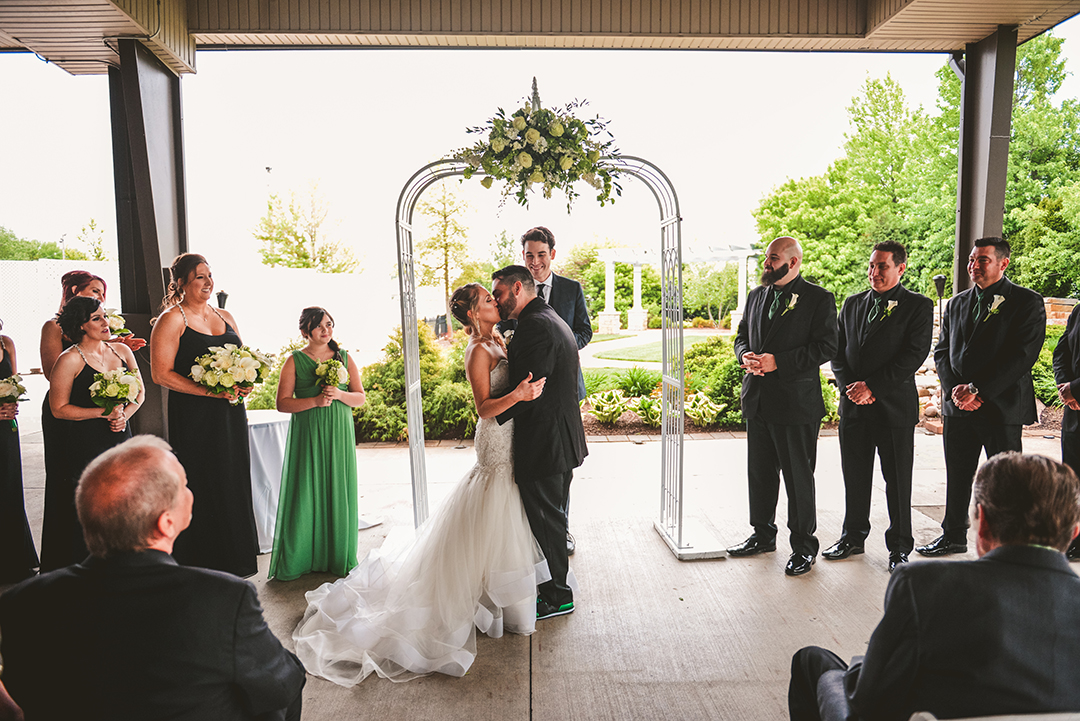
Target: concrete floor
652, 637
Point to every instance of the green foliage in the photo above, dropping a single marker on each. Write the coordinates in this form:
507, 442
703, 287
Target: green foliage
599, 379
13, 247
264, 396
700, 409
441, 254
710, 292
638, 381
1043, 371
377, 420
387, 377
292, 236
449, 411
92, 238
830, 394
649, 409
608, 406
585, 266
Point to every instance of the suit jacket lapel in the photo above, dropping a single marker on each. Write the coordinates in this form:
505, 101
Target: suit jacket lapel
882, 320
782, 312
986, 320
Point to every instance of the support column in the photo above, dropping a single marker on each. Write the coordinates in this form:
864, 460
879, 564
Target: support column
983, 155
637, 318
610, 320
148, 174
740, 309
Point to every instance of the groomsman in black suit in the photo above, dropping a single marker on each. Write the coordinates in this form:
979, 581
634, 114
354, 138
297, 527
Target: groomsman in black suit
990, 337
567, 298
885, 335
549, 440
140, 636
1067, 377
788, 331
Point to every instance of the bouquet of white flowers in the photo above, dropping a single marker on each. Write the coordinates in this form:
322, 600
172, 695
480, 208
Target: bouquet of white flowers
332, 372
117, 324
11, 391
230, 366
114, 388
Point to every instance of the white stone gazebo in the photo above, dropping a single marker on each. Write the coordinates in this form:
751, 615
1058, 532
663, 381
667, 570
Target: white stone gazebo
637, 316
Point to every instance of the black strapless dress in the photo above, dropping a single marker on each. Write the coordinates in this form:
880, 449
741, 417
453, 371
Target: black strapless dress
18, 557
83, 442
210, 437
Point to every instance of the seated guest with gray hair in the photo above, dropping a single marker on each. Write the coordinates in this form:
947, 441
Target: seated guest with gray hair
999, 635
128, 633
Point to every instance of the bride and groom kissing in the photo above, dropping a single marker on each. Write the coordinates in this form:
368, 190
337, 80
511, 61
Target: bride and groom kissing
493, 556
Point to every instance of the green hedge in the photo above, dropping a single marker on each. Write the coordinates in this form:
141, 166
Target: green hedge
1043, 372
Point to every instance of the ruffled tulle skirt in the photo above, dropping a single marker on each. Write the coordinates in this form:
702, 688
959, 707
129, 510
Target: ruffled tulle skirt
412, 606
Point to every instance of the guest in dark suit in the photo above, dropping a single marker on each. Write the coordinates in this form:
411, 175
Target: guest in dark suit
1012, 649
143, 638
1067, 377
567, 298
788, 331
885, 335
549, 440
990, 337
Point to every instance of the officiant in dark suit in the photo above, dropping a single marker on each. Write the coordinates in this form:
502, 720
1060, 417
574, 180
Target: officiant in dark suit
788, 331
987, 637
1067, 378
549, 439
128, 633
885, 336
990, 338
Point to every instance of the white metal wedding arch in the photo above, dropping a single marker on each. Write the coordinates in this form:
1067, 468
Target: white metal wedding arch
670, 524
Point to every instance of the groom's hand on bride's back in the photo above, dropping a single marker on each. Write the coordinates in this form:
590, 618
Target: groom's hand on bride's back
529, 389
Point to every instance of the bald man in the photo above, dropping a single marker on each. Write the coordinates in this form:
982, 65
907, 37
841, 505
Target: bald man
788, 331
145, 637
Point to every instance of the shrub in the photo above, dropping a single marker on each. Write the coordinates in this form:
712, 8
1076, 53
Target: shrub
264, 395
830, 394
637, 381
707, 356
649, 409
597, 380
702, 323
1043, 372
724, 387
607, 406
378, 421
449, 411
700, 409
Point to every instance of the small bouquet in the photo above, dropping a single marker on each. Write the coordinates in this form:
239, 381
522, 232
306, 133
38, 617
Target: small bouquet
230, 366
114, 388
332, 373
11, 390
117, 324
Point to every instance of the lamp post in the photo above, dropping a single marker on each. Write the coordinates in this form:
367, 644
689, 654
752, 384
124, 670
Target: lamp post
939, 284
222, 296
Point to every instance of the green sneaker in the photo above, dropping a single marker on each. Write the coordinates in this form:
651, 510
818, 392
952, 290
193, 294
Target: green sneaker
546, 610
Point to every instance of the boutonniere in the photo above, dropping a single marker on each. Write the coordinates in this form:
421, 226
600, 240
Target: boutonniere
507, 336
995, 307
892, 305
790, 304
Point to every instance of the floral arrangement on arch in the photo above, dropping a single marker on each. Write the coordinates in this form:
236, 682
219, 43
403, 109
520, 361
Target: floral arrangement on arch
550, 148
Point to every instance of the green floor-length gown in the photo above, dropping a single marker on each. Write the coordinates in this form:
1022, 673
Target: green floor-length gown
317, 518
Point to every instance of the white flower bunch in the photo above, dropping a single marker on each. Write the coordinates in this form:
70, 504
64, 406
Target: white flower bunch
332, 372
114, 388
117, 324
11, 391
231, 366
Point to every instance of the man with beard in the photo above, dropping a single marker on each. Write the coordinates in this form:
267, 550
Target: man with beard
788, 331
549, 440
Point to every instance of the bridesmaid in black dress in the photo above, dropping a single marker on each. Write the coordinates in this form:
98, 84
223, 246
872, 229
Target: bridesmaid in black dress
18, 558
207, 433
89, 433
55, 544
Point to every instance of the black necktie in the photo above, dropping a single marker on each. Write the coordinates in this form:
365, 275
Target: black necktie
541, 291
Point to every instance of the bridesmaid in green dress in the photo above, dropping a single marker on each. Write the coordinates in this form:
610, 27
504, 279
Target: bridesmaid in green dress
317, 519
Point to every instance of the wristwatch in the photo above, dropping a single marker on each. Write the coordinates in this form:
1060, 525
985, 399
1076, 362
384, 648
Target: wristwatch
972, 389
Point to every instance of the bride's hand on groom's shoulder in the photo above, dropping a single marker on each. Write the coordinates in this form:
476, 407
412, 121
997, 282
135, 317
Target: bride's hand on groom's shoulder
528, 389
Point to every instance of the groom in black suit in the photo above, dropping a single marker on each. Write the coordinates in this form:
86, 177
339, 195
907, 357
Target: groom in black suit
128, 633
788, 331
990, 338
885, 335
549, 440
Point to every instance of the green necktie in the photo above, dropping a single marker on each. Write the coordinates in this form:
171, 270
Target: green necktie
976, 311
874, 311
775, 303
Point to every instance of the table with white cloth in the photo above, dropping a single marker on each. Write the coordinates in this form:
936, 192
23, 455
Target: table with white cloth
267, 433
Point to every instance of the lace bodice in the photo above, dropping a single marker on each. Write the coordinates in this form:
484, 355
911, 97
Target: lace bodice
494, 443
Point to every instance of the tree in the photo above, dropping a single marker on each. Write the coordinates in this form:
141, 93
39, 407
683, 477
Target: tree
12, 247
292, 235
708, 287
443, 253
92, 238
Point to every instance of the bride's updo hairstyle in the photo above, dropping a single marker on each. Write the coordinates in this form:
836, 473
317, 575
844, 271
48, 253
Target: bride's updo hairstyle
310, 318
462, 301
182, 266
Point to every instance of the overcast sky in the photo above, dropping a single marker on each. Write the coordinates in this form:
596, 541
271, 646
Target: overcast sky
726, 127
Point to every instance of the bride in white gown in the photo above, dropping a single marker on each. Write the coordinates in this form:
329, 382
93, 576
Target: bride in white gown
412, 607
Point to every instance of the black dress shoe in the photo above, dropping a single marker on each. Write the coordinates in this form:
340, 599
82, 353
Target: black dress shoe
941, 546
895, 559
571, 544
798, 564
752, 546
842, 549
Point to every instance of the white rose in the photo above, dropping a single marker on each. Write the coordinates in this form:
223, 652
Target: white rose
532, 135
115, 323
227, 380
197, 372
6, 389
112, 390
524, 160
342, 376
251, 374
211, 378
566, 162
